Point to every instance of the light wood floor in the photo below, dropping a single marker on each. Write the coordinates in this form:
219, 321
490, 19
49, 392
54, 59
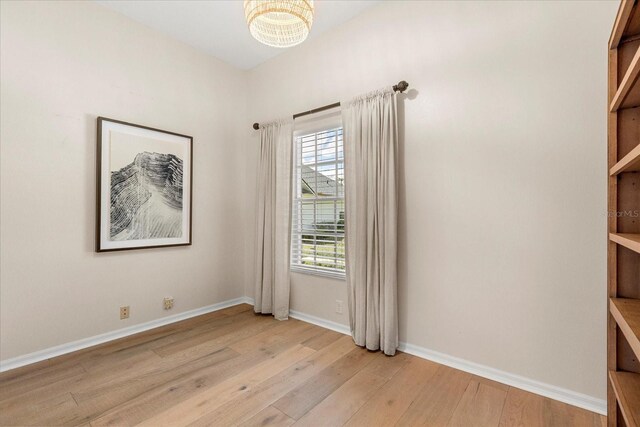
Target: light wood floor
233, 367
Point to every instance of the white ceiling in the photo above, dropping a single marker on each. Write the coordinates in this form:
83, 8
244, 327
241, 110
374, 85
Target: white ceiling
218, 27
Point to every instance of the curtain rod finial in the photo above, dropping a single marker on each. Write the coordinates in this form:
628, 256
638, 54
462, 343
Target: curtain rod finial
256, 126
401, 86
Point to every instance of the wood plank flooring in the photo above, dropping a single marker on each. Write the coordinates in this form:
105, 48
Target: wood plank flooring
235, 368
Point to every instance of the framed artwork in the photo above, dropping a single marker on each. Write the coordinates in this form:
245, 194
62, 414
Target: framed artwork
144, 179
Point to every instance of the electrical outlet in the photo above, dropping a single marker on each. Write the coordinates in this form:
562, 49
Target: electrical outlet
168, 303
338, 306
124, 312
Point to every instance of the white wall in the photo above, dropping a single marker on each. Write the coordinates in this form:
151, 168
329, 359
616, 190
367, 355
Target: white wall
502, 232
63, 64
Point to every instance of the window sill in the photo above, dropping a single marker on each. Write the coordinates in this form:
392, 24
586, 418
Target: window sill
315, 272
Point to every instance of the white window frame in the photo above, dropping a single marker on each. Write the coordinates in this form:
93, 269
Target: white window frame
329, 122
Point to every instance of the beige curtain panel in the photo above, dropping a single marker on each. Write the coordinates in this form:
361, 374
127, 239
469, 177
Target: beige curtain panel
273, 220
371, 151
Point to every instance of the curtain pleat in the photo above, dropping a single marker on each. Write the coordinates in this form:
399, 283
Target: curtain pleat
273, 220
371, 146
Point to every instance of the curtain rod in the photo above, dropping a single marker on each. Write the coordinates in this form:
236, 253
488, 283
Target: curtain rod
400, 87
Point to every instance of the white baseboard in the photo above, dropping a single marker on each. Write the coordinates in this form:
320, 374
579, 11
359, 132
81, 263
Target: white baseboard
59, 350
247, 300
553, 392
318, 321
327, 324
547, 390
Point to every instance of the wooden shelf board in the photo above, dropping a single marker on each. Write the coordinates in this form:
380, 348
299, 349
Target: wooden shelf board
629, 241
626, 85
622, 20
633, 24
629, 163
626, 312
626, 386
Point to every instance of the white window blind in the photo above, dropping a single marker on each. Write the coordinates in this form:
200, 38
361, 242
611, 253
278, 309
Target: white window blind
318, 203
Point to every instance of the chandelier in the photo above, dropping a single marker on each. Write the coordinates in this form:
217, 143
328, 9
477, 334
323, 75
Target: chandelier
279, 23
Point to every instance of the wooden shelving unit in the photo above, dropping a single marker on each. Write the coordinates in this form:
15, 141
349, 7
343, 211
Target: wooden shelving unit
626, 386
628, 240
623, 98
630, 163
623, 255
626, 312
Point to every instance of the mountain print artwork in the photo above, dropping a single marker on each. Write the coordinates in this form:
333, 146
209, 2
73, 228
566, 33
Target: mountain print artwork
144, 180
146, 198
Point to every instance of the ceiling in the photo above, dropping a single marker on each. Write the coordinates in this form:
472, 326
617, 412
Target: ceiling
218, 27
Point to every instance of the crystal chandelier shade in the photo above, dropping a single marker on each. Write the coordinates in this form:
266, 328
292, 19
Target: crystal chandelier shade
279, 23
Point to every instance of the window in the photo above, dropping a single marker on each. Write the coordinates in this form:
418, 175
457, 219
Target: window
318, 203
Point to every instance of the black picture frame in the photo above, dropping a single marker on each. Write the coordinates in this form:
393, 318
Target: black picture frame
143, 204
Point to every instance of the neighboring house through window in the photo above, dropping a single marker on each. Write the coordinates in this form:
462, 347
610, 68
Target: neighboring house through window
318, 203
